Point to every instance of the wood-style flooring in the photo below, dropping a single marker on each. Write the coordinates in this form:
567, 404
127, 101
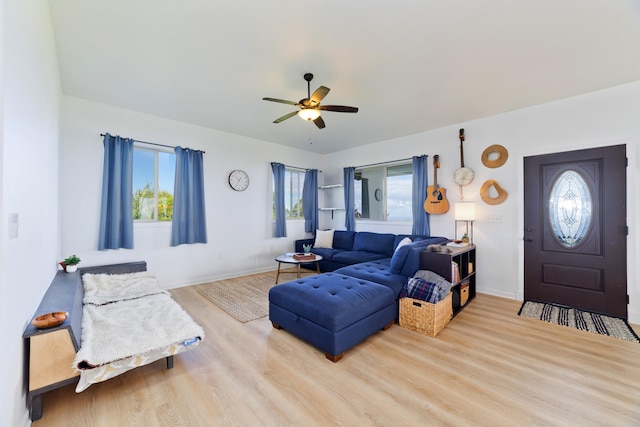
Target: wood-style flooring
488, 367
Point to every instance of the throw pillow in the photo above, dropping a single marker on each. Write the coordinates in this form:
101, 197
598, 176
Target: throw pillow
399, 256
403, 242
324, 239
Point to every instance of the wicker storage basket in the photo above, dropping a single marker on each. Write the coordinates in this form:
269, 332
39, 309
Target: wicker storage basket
464, 293
423, 317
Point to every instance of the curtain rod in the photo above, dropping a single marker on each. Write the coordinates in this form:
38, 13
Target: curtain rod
156, 144
299, 168
383, 163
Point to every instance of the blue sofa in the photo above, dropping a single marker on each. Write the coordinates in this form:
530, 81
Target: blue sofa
357, 297
351, 247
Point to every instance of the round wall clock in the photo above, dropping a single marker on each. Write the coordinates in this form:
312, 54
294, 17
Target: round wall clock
238, 180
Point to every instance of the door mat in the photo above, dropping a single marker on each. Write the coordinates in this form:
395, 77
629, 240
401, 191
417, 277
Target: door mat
579, 319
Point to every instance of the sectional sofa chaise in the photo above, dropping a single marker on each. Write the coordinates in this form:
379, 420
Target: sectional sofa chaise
357, 293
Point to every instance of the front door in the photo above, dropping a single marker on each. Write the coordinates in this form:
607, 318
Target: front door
575, 230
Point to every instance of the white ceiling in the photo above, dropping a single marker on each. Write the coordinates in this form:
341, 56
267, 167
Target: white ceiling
409, 65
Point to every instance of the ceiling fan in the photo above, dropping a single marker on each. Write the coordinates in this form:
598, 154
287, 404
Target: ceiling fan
310, 106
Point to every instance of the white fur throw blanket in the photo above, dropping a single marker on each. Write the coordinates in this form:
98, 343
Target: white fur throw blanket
102, 289
122, 329
124, 326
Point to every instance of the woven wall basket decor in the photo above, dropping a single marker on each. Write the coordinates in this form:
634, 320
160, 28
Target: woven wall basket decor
484, 193
502, 152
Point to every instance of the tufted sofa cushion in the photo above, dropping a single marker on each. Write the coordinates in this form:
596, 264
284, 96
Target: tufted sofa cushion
332, 300
376, 271
327, 253
355, 257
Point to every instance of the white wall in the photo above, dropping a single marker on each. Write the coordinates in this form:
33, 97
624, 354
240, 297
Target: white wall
29, 184
239, 224
602, 118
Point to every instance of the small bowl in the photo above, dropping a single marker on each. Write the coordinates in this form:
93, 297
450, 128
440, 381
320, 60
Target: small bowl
50, 320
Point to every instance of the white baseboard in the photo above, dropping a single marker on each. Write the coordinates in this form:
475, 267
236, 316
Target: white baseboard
499, 293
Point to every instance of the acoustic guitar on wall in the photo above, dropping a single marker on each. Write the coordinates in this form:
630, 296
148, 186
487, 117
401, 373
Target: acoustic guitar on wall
436, 202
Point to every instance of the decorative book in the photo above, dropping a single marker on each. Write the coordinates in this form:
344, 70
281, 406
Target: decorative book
455, 272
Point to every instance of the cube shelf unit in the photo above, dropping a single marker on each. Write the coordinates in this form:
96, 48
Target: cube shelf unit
442, 263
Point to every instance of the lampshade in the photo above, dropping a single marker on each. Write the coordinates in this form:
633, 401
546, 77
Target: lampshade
465, 211
309, 114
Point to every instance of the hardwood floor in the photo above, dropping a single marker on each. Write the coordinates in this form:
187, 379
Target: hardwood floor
488, 367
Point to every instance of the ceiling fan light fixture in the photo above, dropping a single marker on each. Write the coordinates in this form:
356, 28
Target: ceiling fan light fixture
309, 114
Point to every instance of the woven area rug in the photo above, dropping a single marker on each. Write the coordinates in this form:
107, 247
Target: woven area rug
579, 319
244, 298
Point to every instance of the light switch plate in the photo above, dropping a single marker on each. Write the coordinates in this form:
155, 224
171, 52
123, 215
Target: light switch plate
14, 219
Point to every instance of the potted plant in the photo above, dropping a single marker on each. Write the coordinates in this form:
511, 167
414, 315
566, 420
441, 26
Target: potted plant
70, 263
307, 249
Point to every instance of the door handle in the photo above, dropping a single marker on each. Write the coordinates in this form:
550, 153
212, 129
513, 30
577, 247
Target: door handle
528, 239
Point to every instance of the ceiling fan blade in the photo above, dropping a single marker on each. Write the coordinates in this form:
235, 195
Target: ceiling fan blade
319, 122
318, 95
282, 101
285, 117
338, 108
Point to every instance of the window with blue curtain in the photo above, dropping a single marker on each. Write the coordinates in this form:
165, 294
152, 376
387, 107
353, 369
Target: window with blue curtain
116, 210
310, 200
189, 223
349, 201
419, 195
278, 185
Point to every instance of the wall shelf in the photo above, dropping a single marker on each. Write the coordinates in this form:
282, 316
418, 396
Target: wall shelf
331, 209
330, 187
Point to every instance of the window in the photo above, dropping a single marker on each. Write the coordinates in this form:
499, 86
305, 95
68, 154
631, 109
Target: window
383, 193
293, 185
153, 176
570, 208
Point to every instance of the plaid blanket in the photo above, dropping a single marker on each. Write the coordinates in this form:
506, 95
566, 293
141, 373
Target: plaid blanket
418, 288
426, 286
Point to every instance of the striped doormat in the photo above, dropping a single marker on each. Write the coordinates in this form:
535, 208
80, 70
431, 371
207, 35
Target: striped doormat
579, 319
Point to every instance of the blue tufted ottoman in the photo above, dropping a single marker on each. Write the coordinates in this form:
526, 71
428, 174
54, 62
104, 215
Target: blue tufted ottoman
332, 312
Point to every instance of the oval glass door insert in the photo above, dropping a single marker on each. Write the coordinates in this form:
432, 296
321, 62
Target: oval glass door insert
570, 208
